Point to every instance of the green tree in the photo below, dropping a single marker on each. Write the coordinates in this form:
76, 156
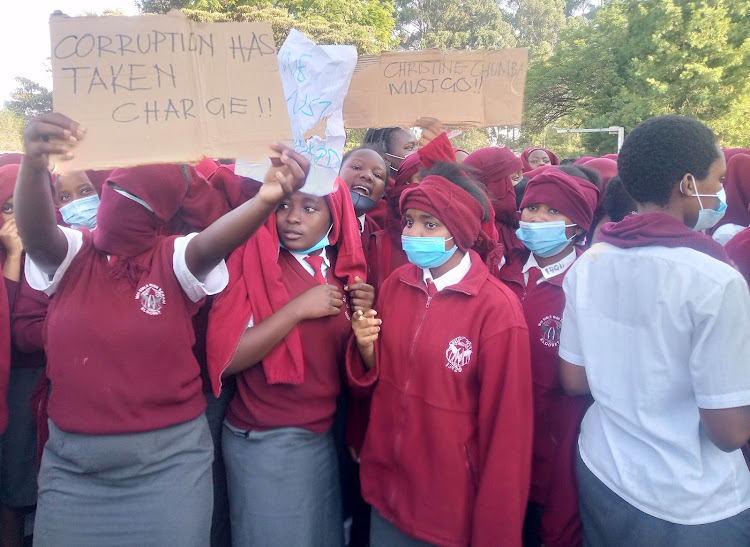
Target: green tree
538, 24
11, 131
29, 100
452, 24
637, 59
366, 24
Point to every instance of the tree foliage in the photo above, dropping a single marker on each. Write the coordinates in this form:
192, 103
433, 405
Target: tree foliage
11, 131
29, 100
453, 24
637, 59
366, 24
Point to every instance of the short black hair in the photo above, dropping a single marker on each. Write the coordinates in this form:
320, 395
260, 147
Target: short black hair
520, 190
380, 139
459, 176
617, 202
660, 151
568, 161
582, 172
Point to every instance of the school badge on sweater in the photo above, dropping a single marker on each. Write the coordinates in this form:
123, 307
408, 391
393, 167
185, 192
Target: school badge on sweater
458, 353
151, 298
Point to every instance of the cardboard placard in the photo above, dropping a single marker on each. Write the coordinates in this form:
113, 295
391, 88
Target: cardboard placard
163, 89
463, 88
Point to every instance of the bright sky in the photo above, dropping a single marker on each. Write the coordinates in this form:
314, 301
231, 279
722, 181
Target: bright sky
24, 36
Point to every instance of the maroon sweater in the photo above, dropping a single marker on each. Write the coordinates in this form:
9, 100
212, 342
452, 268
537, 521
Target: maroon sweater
557, 416
114, 367
259, 406
28, 310
447, 453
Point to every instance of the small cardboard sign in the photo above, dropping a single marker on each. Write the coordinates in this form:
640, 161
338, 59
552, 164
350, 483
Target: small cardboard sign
475, 88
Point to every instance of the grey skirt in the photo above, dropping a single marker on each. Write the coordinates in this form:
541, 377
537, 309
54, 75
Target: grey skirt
152, 488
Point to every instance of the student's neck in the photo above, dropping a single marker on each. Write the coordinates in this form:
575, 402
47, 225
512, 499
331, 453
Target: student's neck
646, 208
554, 259
448, 266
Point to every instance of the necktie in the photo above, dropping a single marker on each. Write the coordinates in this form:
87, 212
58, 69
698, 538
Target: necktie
535, 274
316, 261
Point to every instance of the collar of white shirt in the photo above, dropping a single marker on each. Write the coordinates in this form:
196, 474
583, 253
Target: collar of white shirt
361, 223
309, 269
450, 277
551, 270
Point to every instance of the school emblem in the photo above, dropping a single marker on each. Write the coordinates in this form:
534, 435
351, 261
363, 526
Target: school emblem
151, 298
549, 331
458, 353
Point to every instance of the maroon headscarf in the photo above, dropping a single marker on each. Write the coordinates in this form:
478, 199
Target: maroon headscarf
8, 175
737, 186
659, 229
526, 153
729, 153
572, 196
607, 169
124, 227
438, 149
583, 159
10, 158
461, 213
494, 165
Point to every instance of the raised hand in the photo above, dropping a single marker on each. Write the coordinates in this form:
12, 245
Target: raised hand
286, 175
51, 133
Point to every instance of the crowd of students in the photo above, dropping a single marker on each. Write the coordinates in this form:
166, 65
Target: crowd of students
452, 348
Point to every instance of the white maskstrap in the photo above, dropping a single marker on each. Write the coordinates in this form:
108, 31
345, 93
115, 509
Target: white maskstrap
551, 270
134, 198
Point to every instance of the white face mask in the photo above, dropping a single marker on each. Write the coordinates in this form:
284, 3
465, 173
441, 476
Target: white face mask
708, 218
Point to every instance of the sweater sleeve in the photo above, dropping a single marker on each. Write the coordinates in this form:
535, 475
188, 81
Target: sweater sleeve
505, 438
361, 381
12, 288
27, 319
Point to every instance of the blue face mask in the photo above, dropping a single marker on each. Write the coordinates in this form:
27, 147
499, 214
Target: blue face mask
81, 213
427, 252
544, 238
319, 245
708, 218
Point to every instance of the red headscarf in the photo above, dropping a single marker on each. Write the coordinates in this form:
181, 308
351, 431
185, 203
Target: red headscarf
437, 150
612, 157
494, 166
534, 172
461, 213
8, 159
607, 169
583, 159
256, 290
737, 186
98, 179
526, 153
8, 175
573, 197
207, 167
729, 153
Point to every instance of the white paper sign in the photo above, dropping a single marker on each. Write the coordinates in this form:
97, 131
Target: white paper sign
315, 79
